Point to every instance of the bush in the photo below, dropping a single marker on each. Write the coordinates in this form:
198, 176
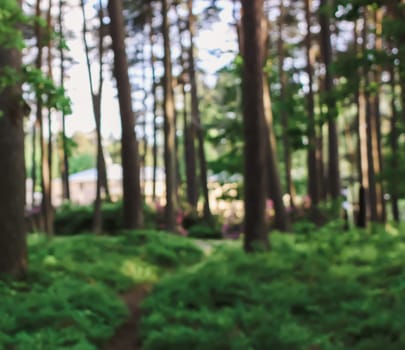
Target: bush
165, 249
73, 219
204, 231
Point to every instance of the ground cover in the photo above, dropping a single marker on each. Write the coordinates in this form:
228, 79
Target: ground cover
321, 290
70, 297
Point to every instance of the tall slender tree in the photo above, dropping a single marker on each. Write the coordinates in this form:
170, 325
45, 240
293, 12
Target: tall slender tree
96, 97
132, 209
46, 203
195, 114
284, 115
64, 153
254, 122
330, 101
313, 173
13, 252
169, 126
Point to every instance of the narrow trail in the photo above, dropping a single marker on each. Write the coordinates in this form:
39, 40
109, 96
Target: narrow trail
126, 337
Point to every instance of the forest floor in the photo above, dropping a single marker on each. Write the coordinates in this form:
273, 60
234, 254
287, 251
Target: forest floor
126, 337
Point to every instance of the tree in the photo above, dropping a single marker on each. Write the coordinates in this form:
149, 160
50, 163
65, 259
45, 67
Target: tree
330, 101
129, 146
46, 203
96, 96
274, 188
169, 127
254, 122
195, 114
64, 153
313, 173
284, 115
13, 255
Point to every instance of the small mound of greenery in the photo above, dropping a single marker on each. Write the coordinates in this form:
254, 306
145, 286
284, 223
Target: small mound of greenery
325, 290
74, 219
204, 231
69, 299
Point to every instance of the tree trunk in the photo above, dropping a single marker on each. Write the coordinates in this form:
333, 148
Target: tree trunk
34, 162
152, 63
169, 127
284, 116
364, 191
333, 147
64, 154
132, 200
195, 116
189, 156
13, 251
189, 127
274, 189
46, 203
377, 152
254, 125
313, 172
394, 134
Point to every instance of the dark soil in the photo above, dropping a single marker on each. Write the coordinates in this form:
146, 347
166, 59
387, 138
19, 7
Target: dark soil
126, 337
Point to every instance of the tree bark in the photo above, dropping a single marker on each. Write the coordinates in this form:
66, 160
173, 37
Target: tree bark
13, 251
195, 116
96, 96
274, 189
254, 125
394, 134
284, 116
313, 172
46, 203
155, 104
64, 154
169, 127
333, 147
132, 201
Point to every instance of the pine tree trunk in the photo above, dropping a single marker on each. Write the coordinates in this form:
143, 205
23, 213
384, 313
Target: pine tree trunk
46, 204
254, 125
132, 200
333, 147
13, 251
155, 131
195, 116
169, 127
64, 154
281, 220
394, 134
313, 173
189, 156
284, 116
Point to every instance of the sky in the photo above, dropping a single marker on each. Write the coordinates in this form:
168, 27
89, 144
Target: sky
220, 35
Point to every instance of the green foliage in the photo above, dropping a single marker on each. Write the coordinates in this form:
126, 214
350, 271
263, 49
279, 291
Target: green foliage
326, 290
10, 16
72, 219
204, 231
69, 297
44, 87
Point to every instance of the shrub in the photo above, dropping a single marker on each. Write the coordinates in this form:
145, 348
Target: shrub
204, 231
73, 219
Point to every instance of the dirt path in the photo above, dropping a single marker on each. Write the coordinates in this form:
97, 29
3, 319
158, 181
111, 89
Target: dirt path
126, 337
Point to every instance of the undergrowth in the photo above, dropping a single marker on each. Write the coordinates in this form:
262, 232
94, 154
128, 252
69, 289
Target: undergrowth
323, 290
69, 299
